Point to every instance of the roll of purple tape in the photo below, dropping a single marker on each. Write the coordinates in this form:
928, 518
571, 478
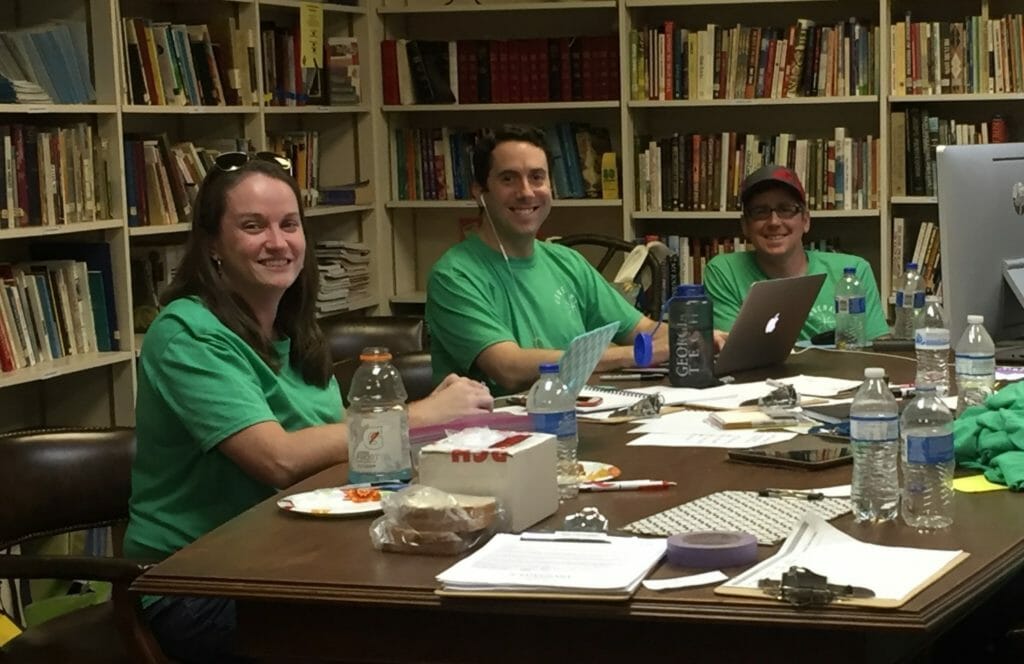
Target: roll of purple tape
712, 549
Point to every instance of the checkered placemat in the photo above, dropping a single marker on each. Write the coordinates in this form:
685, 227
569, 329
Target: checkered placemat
770, 520
580, 359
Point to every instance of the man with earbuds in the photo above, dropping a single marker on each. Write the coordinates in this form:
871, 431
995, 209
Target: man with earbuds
500, 303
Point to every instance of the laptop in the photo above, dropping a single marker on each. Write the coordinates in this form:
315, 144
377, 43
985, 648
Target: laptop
769, 323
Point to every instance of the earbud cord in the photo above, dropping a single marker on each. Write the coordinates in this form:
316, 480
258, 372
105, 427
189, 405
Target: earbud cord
508, 264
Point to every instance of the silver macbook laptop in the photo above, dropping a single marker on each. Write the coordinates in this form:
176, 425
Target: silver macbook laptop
769, 323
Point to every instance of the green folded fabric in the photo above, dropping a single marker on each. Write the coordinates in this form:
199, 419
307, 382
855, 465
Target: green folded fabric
990, 437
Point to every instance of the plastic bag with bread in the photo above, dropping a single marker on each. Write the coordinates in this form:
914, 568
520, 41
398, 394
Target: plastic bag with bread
422, 519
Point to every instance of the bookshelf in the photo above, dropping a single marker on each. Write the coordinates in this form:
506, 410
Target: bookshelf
356, 141
98, 388
422, 230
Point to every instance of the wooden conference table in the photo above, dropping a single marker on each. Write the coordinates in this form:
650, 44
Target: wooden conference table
311, 589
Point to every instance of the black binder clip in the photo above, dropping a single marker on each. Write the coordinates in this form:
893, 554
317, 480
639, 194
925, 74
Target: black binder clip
803, 588
648, 405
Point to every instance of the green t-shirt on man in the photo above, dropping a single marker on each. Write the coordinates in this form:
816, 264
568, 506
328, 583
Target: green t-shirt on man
199, 383
728, 277
475, 300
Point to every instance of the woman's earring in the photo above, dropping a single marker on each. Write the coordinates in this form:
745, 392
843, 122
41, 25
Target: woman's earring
216, 263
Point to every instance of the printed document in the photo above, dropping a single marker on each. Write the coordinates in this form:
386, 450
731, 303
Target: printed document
509, 563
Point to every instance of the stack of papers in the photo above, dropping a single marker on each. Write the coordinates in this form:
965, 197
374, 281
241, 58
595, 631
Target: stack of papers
508, 565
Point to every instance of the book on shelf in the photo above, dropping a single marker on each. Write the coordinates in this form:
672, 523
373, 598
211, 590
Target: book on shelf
173, 64
97, 258
342, 60
669, 62
469, 71
977, 55
46, 312
703, 171
919, 132
53, 57
286, 81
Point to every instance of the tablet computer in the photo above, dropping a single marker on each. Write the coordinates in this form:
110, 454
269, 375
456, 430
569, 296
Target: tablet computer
806, 455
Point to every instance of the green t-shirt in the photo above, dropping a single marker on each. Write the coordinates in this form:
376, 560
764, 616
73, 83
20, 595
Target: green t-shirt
728, 277
199, 383
473, 302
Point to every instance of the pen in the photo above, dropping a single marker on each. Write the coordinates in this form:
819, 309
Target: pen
631, 376
626, 485
790, 493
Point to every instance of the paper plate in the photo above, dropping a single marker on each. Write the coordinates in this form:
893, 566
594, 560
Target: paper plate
595, 471
339, 501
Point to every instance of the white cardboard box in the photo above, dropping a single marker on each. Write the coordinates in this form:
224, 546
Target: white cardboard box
521, 474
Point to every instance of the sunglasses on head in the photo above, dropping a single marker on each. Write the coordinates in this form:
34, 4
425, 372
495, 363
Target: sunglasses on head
232, 161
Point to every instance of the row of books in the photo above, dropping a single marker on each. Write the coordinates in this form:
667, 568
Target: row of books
704, 171
803, 60
500, 71
52, 175
303, 148
925, 252
918, 133
54, 57
344, 275
162, 179
436, 163
976, 55
50, 309
210, 64
288, 81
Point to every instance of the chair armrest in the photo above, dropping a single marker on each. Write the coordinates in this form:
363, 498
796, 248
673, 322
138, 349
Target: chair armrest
93, 568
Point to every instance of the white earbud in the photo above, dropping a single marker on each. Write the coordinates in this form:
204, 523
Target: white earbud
480, 198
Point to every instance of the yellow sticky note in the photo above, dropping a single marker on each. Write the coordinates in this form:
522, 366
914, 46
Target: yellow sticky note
8, 630
976, 484
311, 33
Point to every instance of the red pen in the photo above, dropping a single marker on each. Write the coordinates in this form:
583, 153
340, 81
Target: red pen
626, 485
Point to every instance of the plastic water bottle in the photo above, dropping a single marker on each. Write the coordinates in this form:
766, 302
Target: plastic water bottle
875, 439
932, 347
378, 424
552, 407
927, 462
931, 315
909, 299
851, 312
975, 365
690, 338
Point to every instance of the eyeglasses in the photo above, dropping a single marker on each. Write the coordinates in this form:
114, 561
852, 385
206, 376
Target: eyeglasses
232, 161
764, 212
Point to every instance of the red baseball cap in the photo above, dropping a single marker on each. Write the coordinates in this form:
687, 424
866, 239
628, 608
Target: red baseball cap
769, 175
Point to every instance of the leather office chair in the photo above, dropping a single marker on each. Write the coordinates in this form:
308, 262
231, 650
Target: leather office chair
58, 481
649, 277
404, 336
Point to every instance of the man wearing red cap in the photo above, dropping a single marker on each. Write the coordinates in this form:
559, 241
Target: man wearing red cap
774, 221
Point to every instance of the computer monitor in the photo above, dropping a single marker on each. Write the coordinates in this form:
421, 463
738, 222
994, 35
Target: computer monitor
981, 226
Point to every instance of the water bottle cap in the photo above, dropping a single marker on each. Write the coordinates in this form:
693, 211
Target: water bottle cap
643, 349
375, 354
549, 367
911, 265
849, 270
689, 291
975, 319
874, 372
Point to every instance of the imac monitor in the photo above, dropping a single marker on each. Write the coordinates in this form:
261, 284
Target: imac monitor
981, 230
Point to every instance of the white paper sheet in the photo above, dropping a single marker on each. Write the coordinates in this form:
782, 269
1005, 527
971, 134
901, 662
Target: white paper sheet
691, 581
891, 572
508, 562
734, 439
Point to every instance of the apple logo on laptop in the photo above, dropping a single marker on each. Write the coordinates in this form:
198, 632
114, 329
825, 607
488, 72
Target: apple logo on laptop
770, 325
